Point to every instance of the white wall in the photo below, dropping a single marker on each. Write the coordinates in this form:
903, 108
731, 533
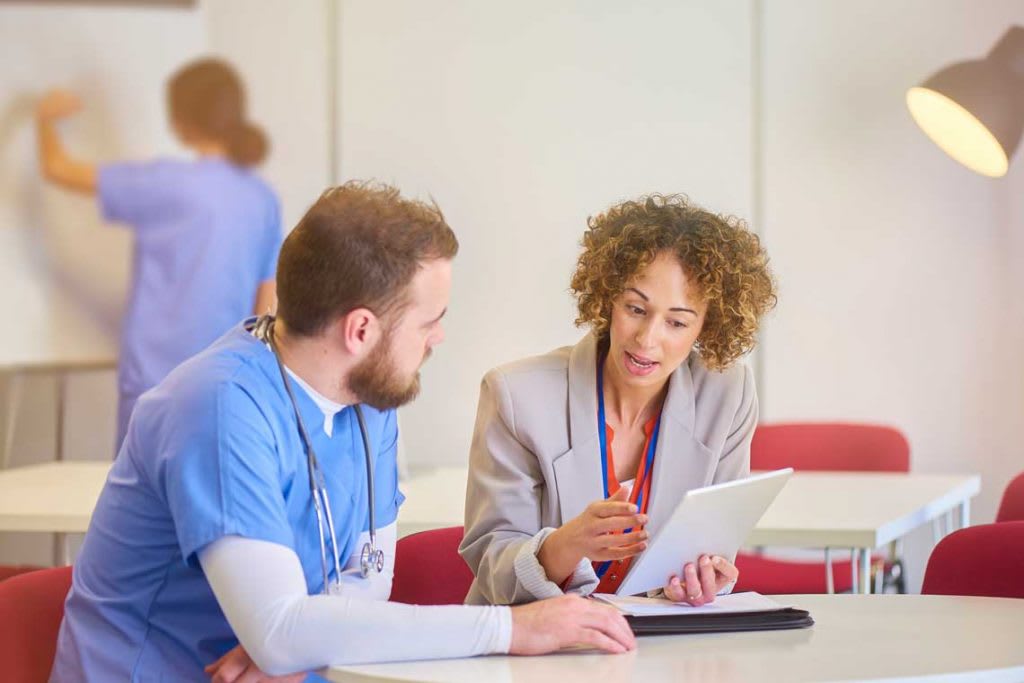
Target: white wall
522, 119
900, 270
281, 51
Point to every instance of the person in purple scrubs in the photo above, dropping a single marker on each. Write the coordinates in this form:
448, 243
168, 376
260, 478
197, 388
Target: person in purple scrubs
207, 229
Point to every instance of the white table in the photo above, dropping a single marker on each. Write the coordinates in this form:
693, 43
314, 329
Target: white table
56, 497
855, 638
858, 510
862, 511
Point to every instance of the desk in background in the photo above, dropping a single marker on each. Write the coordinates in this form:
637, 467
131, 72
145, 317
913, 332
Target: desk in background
858, 510
855, 638
56, 497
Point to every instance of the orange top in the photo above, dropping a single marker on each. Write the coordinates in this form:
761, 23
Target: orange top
617, 571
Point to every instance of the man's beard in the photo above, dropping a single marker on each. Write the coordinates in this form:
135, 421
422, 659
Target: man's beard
375, 380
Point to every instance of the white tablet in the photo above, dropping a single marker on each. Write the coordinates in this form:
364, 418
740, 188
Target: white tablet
714, 520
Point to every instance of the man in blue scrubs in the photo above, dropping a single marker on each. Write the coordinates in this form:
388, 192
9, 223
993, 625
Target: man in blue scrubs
204, 549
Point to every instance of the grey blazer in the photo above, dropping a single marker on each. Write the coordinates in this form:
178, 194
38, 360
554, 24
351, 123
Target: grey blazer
535, 460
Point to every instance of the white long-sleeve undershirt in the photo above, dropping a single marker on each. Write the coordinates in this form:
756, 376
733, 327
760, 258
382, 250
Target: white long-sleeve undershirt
261, 588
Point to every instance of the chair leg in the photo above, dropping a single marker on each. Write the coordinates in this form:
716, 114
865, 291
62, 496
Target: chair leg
854, 574
830, 584
900, 577
14, 386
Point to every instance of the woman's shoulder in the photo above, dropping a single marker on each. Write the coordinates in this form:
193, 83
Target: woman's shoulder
532, 380
737, 379
556, 360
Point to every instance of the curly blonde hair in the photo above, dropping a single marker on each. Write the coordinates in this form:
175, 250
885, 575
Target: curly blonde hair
720, 256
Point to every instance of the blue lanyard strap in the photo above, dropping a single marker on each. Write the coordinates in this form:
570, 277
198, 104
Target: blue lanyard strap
602, 433
602, 436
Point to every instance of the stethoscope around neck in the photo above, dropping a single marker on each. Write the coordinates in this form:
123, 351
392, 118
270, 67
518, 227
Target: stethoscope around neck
370, 557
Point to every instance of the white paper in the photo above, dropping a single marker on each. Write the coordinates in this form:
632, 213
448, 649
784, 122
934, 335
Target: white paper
723, 604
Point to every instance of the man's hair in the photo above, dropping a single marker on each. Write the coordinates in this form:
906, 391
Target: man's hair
358, 246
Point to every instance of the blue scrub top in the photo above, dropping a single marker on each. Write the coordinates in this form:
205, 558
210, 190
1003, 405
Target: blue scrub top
207, 233
213, 450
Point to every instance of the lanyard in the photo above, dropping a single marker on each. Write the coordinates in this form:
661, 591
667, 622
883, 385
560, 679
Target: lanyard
602, 436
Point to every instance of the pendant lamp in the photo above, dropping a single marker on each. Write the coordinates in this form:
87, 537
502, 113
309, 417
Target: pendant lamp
974, 110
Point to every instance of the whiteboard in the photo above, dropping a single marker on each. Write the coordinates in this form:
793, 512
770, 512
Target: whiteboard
63, 272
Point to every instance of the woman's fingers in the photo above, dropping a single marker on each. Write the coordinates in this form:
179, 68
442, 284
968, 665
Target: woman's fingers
726, 571
610, 525
618, 553
606, 508
674, 590
694, 593
606, 541
58, 103
708, 578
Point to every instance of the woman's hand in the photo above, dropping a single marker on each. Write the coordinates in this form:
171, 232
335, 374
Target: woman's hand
701, 581
57, 104
237, 667
595, 534
55, 163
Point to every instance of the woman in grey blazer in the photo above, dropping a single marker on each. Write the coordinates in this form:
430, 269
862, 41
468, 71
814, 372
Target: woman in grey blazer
579, 455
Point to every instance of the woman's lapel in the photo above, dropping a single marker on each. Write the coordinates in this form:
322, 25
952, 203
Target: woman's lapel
578, 470
681, 461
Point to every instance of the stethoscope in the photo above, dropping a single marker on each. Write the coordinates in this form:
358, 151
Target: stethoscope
370, 557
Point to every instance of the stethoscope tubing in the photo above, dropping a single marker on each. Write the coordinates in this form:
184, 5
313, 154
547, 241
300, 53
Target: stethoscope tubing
370, 557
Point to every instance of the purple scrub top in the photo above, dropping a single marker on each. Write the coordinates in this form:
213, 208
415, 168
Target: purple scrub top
207, 233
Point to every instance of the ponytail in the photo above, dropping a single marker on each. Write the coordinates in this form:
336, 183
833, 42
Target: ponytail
247, 145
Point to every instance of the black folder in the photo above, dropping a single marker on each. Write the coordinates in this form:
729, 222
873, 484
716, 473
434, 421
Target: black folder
773, 620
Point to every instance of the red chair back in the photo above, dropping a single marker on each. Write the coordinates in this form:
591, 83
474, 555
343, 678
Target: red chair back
429, 569
986, 560
31, 608
829, 446
1011, 509
9, 570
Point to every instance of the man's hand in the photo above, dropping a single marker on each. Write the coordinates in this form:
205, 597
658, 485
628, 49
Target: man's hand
701, 582
57, 104
236, 667
550, 625
595, 534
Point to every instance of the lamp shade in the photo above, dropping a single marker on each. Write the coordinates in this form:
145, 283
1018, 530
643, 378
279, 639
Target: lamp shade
974, 110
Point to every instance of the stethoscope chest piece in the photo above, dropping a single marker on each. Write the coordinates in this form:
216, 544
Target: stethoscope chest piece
370, 558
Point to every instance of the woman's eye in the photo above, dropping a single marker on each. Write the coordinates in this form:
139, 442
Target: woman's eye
635, 310
676, 324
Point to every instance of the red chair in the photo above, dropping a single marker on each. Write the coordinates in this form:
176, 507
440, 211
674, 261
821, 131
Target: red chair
1011, 508
429, 569
774, 576
821, 446
31, 608
829, 446
9, 570
986, 560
